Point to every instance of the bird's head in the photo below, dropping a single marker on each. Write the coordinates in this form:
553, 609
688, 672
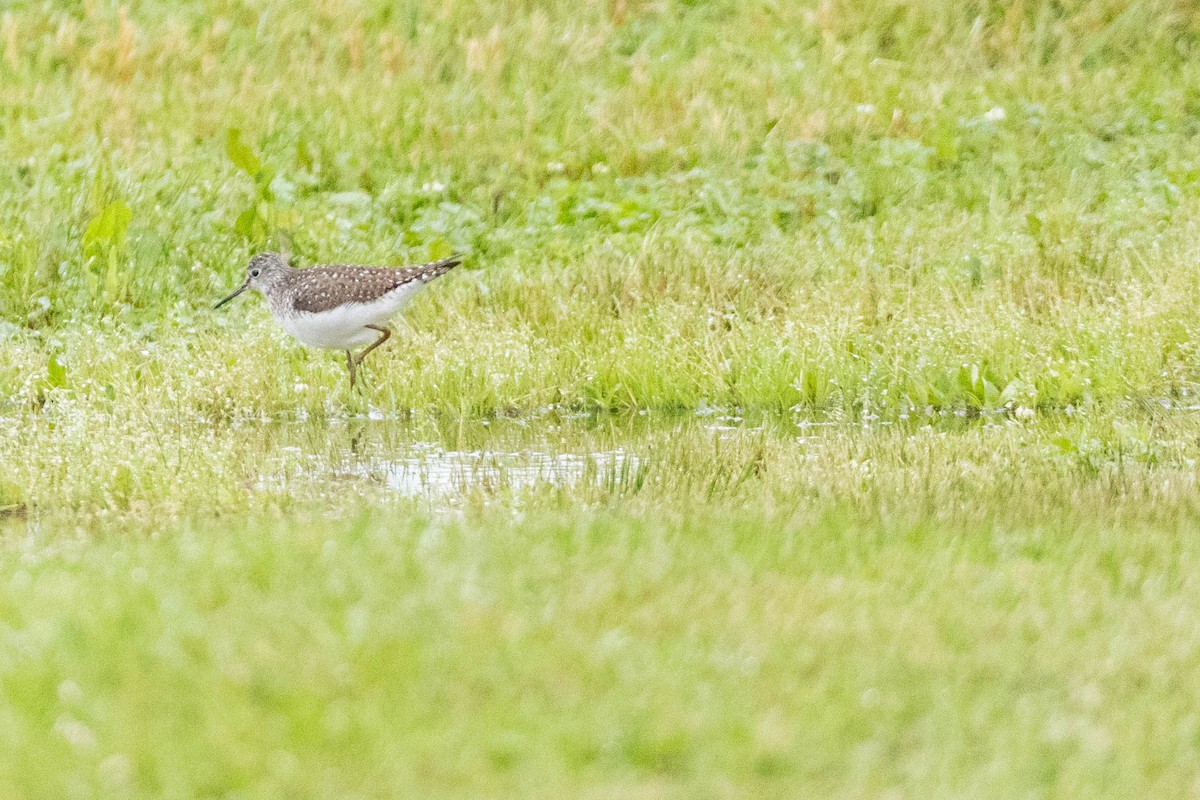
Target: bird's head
264, 271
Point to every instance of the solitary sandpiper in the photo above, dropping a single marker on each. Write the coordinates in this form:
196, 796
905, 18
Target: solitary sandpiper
339, 306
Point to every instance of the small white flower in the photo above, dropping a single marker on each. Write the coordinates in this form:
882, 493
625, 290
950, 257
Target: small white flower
75, 732
69, 692
555, 166
433, 187
996, 114
116, 768
600, 169
865, 108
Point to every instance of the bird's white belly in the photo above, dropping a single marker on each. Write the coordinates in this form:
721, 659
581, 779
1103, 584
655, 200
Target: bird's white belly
344, 327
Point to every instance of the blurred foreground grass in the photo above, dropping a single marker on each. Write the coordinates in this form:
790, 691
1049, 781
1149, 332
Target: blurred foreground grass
682, 607
703, 654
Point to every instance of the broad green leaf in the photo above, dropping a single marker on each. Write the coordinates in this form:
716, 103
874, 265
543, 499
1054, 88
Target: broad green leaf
1033, 223
99, 230
121, 215
56, 372
263, 182
109, 227
1010, 393
240, 154
439, 248
991, 395
245, 222
1065, 444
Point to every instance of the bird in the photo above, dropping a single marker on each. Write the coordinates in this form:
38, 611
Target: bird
337, 306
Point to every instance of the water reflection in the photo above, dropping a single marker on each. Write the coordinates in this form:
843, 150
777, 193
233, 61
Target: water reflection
441, 459
444, 459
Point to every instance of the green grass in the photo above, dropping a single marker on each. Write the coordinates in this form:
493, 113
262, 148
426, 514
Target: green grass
729, 654
663, 201
818, 396
985, 607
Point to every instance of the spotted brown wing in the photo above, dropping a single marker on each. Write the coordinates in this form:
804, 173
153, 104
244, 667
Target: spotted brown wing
324, 288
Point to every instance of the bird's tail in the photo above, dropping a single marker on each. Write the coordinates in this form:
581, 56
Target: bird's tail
435, 269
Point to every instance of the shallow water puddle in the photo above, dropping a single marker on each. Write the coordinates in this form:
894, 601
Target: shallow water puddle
440, 473
446, 461
442, 461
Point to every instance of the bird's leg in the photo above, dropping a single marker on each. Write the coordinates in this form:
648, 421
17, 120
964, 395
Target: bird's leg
385, 333
350, 366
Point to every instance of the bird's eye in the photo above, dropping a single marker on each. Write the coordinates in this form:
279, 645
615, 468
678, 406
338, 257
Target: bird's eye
254, 273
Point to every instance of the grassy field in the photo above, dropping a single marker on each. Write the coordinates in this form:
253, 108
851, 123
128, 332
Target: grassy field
814, 416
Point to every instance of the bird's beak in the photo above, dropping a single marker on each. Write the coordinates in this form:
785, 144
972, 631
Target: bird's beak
241, 289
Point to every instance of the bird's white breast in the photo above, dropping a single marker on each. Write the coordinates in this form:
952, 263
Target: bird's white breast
344, 327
